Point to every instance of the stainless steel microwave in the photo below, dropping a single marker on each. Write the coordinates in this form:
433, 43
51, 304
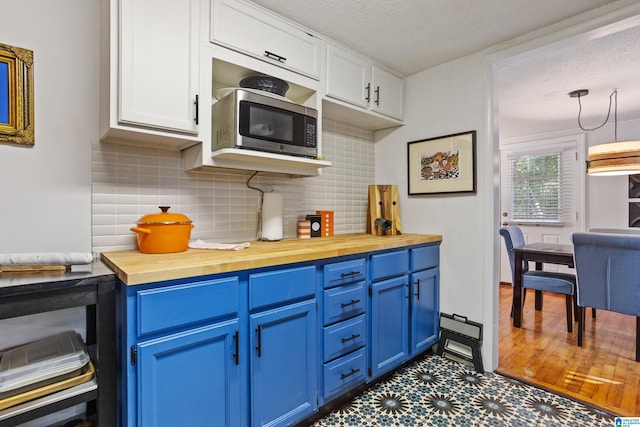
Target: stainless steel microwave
264, 122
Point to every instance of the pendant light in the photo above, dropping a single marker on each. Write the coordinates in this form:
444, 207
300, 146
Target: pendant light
612, 158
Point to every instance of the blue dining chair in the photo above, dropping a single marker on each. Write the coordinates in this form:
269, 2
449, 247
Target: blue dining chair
546, 281
608, 276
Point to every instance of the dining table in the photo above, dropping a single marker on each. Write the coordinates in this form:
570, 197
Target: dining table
540, 253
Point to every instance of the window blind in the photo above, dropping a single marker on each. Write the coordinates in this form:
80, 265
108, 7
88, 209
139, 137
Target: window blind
541, 185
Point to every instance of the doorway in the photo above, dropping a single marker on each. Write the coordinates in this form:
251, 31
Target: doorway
504, 62
542, 218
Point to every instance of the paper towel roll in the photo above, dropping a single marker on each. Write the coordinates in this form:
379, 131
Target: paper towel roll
272, 216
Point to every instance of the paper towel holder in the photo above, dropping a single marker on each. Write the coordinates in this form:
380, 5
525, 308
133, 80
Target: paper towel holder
274, 220
260, 233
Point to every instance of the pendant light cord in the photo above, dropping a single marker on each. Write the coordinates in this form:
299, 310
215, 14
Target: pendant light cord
613, 95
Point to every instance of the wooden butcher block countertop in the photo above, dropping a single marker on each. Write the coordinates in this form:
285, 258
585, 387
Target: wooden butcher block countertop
134, 267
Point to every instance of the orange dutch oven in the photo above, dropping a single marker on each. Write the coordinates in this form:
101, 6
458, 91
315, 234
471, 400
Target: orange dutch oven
164, 232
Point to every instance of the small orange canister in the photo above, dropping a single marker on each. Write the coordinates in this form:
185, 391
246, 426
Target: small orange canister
304, 229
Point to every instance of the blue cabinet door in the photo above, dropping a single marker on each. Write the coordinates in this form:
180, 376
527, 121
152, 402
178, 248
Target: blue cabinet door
284, 362
424, 310
190, 378
389, 337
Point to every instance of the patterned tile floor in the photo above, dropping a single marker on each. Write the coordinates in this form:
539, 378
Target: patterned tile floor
436, 391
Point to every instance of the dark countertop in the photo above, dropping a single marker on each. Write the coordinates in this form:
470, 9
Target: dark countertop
12, 283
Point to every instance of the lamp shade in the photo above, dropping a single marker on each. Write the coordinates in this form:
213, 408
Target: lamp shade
614, 158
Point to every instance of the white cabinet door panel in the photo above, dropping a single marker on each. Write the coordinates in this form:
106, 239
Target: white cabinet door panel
248, 30
387, 93
158, 77
348, 77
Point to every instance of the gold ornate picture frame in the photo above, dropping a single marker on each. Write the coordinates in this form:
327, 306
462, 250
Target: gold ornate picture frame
16, 95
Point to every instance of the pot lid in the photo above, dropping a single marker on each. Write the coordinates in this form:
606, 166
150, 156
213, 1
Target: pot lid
164, 217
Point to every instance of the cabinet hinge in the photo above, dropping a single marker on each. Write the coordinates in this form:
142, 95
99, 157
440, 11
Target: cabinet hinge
134, 355
369, 371
370, 291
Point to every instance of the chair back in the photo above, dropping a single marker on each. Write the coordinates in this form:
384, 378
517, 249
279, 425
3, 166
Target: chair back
608, 271
513, 238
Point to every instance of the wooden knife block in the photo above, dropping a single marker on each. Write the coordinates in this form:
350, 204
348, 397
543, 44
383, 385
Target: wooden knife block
383, 203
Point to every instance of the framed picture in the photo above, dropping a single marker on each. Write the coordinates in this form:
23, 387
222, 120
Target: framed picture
16, 95
446, 164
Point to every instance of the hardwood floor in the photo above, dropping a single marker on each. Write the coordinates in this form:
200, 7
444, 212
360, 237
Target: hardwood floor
603, 372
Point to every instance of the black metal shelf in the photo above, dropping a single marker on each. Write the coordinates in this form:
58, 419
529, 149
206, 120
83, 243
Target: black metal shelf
21, 296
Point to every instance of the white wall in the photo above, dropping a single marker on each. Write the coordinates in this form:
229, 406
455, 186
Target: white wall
445, 100
46, 189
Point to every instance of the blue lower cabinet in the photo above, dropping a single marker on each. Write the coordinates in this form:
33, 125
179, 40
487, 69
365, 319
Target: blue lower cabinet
344, 373
265, 347
344, 302
424, 310
389, 334
344, 337
190, 378
283, 364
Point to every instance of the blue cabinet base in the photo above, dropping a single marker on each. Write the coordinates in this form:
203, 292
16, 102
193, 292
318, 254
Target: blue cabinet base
317, 333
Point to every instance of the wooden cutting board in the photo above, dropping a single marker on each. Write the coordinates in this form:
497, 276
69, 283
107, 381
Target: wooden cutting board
384, 203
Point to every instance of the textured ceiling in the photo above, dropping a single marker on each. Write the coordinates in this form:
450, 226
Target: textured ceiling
533, 93
413, 35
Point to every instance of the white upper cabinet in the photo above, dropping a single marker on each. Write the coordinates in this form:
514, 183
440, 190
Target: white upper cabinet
387, 93
253, 31
159, 58
153, 71
348, 77
354, 79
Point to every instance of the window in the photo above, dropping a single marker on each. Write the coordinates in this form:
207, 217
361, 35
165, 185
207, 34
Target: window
536, 188
539, 183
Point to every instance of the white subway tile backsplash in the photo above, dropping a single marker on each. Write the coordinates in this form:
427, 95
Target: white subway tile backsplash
129, 182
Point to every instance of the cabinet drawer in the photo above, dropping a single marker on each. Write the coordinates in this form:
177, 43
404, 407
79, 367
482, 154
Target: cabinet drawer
180, 305
280, 286
425, 257
344, 337
344, 373
344, 302
341, 273
389, 264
